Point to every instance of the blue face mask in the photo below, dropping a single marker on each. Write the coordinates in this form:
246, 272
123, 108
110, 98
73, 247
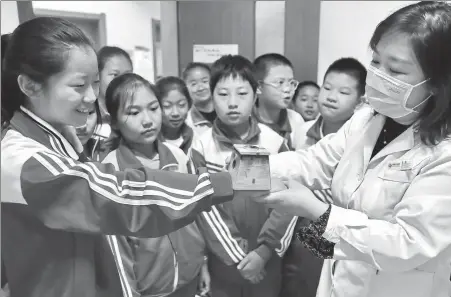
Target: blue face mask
389, 96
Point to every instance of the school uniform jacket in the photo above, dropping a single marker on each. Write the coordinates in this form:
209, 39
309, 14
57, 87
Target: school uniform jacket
234, 229
187, 134
55, 208
157, 266
197, 121
289, 126
390, 220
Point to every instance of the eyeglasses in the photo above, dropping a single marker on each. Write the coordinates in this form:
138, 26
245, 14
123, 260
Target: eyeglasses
280, 84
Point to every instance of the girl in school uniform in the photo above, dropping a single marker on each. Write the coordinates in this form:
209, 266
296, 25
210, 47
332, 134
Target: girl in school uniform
56, 205
175, 103
169, 265
388, 231
202, 113
113, 61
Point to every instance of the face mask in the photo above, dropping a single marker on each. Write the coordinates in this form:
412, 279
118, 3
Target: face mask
389, 96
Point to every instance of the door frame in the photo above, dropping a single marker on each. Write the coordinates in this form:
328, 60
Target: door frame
99, 17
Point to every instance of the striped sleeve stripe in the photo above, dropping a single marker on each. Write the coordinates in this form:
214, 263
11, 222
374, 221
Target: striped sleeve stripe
126, 190
110, 180
286, 239
222, 239
112, 241
213, 169
115, 192
220, 223
55, 146
215, 166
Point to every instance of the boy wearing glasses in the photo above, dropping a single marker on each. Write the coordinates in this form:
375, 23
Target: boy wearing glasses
276, 88
340, 94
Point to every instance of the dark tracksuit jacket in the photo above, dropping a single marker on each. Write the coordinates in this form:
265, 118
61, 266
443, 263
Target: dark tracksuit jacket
235, 228
56, 209
163, 266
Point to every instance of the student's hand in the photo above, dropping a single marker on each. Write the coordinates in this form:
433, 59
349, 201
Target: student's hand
298, 200
204, 280
251, 266
258, 278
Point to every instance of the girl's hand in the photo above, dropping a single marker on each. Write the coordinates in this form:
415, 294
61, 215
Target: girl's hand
204, 280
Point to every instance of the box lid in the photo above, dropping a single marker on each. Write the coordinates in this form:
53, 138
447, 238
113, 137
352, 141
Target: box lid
251, 150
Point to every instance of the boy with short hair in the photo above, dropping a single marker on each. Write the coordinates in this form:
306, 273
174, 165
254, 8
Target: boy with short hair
276, 88
305, 100
340, 94
246, 240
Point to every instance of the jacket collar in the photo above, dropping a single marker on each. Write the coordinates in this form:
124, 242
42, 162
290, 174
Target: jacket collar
29, 124
224, 134
282, 127
187, 134
316, 130
198, 118
127, 159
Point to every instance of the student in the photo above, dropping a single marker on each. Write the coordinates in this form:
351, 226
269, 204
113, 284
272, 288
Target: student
56, 206
276, 88
113, 61
305, 100
175, 103
162, 266
340, 94
245, 241
202, 112
388, 231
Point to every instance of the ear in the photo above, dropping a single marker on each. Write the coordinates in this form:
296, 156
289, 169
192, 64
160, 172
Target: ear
29, 87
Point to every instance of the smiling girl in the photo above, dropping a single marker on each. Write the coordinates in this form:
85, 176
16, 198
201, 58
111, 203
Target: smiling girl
56, 205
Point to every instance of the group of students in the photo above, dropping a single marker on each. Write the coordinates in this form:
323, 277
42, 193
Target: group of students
118, 187
182, 124
194, 121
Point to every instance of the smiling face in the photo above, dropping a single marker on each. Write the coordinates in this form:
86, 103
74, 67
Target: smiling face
175, 109
306, 102
198, 83
233, 99
139, 118
338, 97
68, 97
394, 57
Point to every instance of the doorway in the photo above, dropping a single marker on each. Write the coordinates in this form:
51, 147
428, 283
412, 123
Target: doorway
92, 24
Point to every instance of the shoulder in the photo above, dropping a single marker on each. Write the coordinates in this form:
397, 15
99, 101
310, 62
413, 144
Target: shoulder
270, 139
294, 117
178, 153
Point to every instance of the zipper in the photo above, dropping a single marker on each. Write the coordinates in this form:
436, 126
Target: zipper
176, 266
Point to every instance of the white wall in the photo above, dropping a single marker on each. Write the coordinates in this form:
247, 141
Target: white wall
10, 18
346, 28
269, 27
128, 23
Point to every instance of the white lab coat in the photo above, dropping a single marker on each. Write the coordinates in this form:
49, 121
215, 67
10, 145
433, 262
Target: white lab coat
391, 218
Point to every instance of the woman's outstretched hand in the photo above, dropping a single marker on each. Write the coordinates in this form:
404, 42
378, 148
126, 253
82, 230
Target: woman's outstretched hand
297, 200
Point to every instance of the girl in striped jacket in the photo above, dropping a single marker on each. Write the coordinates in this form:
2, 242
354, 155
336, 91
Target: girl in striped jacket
56, 205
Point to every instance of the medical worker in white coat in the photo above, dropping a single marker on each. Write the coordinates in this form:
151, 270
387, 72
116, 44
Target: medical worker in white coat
388, 231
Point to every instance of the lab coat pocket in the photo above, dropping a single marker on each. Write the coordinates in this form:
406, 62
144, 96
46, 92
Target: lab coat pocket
415, 283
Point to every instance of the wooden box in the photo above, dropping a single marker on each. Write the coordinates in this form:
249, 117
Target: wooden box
249, 168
